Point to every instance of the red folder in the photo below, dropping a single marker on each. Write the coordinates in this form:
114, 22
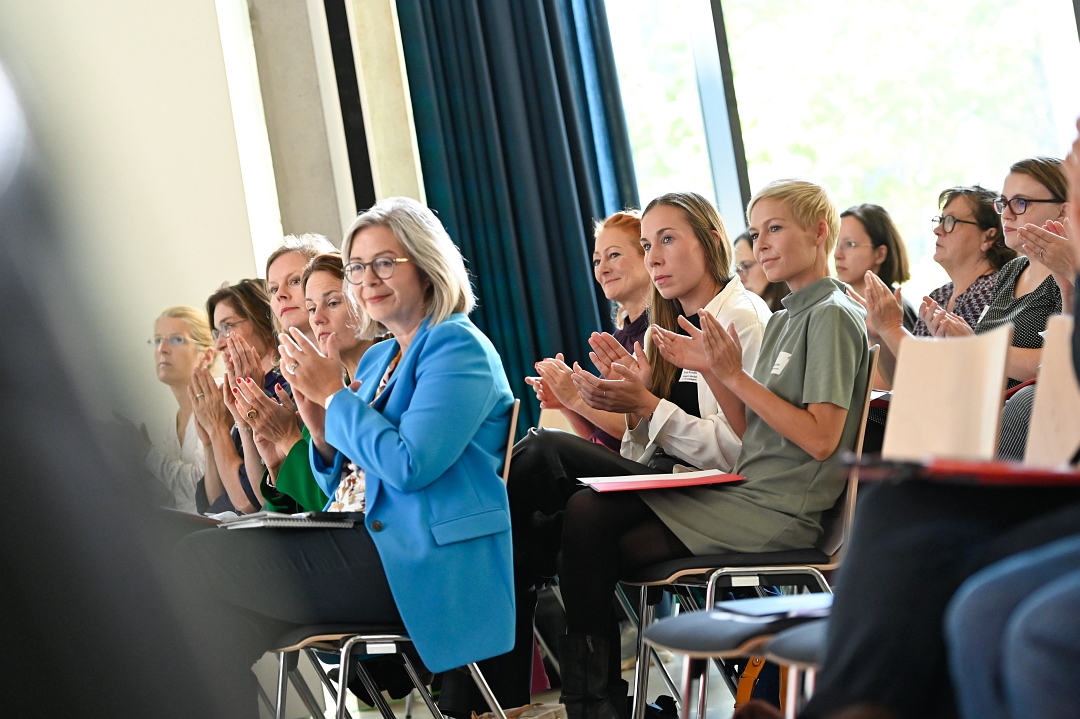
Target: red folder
633, 482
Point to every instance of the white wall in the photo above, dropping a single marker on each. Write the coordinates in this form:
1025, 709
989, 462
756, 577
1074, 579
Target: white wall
130, 102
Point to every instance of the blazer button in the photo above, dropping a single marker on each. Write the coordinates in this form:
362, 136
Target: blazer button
376, 526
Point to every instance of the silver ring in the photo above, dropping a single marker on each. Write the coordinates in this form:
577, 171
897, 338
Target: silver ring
293, 366
200, 395
605, 394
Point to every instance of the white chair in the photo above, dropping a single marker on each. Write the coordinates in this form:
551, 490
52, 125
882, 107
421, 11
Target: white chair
946, 398
1054, 433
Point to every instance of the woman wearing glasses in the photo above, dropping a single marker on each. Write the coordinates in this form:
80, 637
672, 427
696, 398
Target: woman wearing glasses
753, 277
869, 241
1026, 293
416, 443
242, 318
970, 247
182, 344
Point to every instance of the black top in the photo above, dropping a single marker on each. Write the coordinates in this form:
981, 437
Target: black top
684, 394
1027, 314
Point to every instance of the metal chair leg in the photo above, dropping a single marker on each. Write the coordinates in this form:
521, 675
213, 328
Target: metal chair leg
641, 671
424, 693
343, 674
485, 690
327, 683
374, 692
304, 692
282, 684
791, 696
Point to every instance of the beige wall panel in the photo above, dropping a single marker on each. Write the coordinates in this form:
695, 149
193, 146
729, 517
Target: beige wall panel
129, 100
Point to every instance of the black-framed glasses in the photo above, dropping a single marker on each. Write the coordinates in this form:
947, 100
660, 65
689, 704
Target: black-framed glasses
1018, 205
383, 267
948, 222
225, 329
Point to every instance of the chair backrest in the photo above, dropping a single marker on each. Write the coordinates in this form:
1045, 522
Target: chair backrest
1054, 433
837, 521
946, 398
510, 439
554, 419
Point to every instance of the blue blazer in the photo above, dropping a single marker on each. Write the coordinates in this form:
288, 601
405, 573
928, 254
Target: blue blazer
432, 447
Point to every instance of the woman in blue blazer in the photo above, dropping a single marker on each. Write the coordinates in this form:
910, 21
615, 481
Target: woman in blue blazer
417, 443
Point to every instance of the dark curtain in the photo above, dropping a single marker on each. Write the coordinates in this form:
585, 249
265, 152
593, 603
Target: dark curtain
523, 144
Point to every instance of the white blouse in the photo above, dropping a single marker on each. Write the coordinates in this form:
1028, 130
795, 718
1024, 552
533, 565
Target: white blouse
179, 466
707, 442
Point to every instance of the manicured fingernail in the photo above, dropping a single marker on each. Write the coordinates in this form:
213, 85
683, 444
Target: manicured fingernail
235, 391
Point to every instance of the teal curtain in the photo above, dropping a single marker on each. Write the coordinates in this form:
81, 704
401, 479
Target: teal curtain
523, 145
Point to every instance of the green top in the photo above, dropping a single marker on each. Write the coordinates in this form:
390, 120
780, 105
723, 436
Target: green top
814, 350
296, 489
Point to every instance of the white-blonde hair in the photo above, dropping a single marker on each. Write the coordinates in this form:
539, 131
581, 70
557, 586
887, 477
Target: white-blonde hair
809, 203
429, 247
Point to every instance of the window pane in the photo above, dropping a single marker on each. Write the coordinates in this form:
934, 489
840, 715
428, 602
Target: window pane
655, 59
891, 102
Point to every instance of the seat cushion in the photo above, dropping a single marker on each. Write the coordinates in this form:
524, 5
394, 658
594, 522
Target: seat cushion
802, 645
708, 634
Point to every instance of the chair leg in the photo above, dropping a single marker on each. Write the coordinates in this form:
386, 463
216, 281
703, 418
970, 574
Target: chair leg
485, 690
424, 693
703, 689
344, 668
374, 692
408, 705
282, 684
327, 683
641, 671
304, 691
791, 696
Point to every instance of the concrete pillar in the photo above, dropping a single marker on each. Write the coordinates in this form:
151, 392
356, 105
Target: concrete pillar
303, 116
384, 95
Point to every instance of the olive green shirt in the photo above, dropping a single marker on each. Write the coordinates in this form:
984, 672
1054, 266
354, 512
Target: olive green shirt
814, 350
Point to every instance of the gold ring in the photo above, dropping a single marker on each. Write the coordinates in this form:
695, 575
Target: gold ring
252, 413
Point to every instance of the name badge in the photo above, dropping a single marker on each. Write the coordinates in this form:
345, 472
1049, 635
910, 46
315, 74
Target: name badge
688, 375
781, 362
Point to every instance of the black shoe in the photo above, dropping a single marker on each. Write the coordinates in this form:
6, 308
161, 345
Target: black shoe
584, 661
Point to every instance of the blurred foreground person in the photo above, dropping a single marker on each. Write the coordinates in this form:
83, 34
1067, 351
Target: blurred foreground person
90, 628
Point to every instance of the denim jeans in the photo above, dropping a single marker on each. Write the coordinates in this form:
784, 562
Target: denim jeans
1013, 634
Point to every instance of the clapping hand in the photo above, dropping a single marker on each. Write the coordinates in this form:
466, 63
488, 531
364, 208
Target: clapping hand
723, 349
942, 323
274, 421
309, 371
683, 351
607, 351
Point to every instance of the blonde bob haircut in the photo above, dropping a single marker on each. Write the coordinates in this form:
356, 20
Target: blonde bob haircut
427, 245
809, 203
195, 319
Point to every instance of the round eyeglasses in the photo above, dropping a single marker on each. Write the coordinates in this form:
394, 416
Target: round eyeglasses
173, 340
1018, 205
742, 269
948, 222
225, 329
383, 267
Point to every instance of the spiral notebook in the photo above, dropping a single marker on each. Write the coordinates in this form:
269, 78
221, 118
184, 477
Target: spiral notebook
303, 520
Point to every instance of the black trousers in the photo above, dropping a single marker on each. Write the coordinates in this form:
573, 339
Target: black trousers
602, 536
913, 545
251, 586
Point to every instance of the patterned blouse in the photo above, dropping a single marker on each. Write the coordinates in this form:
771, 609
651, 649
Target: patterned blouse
969, 305
351, 492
